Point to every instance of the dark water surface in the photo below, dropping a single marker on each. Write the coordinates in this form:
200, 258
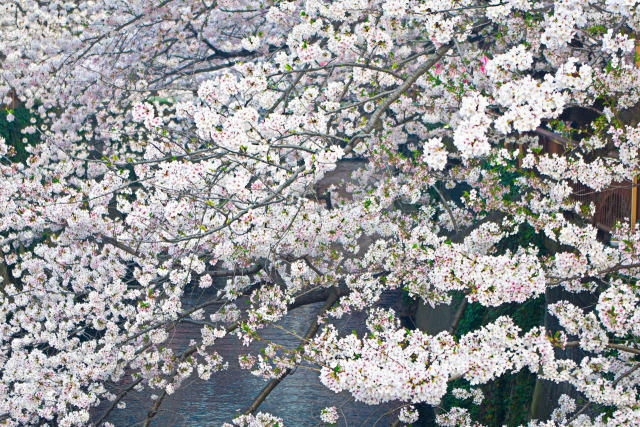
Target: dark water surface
298, 399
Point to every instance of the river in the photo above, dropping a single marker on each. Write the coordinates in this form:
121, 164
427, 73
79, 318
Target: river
298, 400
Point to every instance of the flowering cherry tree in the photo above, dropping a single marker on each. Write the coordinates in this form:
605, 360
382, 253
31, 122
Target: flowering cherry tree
186, 142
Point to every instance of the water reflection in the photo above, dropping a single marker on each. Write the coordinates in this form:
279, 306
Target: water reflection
298, 400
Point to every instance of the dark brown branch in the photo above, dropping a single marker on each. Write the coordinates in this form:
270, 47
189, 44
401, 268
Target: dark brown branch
553, 136
333, 297
120, 396
114, 242
445, 203
316, 296
458, 316
246, 271
154, 409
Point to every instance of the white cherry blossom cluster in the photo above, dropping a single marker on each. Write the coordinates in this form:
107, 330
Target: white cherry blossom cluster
329, 415
300, 147
261, 419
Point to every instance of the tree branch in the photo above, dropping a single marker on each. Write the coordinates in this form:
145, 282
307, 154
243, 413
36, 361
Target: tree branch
120, 396
619, 347
458, 316
333, 297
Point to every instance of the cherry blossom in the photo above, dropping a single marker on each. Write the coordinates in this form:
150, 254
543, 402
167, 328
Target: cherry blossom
273, 155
